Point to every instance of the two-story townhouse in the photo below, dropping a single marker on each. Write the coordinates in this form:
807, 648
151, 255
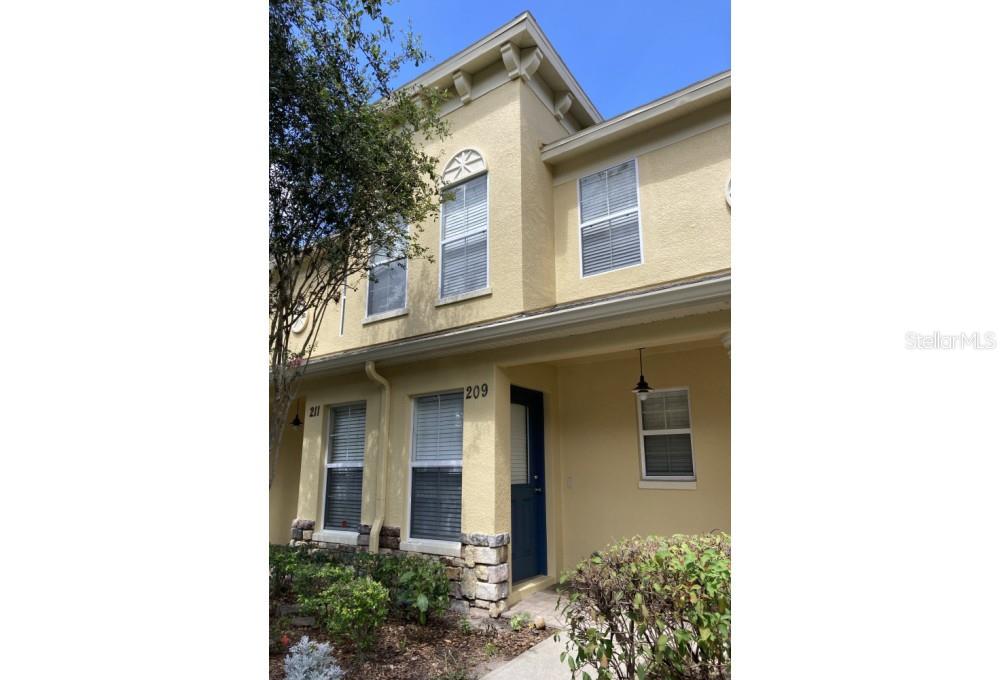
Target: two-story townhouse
482, 408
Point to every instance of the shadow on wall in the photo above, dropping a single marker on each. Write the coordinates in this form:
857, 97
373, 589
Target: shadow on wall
284, 493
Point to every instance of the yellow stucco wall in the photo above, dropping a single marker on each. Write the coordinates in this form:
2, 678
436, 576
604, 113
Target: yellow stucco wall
534, 249
591, 433
492, 126
538, 127
406, 382
682, 212
599, 451
283, 496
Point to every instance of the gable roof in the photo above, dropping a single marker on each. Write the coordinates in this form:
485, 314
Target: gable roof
522, 32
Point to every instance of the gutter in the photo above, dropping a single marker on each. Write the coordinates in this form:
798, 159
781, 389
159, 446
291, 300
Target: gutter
382, 453
665, 301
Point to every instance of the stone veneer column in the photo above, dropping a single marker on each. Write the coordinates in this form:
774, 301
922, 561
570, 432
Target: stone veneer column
486, 571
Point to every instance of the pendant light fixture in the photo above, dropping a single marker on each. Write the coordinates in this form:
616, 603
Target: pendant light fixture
296, 422
642, 387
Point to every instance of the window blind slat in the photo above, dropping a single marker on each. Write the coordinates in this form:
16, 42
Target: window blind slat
436, 508
465, 225
614, 242
463, 265
518, 444
438, 428
436, 492
668, 455
387, 287
343, 499
347, 434
622, 188
665, 411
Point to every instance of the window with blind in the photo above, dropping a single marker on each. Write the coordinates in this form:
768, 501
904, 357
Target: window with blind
436, 462
344, 468
387, 281
665, 418
464, 237
609, 220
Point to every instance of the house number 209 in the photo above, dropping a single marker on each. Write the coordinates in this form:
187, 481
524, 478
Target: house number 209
476, 391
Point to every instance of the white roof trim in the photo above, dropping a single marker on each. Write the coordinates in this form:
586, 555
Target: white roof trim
523, 23
714, 290
669, 106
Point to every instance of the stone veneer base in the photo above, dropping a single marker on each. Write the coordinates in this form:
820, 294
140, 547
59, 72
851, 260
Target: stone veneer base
480, 577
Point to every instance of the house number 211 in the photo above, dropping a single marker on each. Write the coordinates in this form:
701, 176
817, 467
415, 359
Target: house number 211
476, 391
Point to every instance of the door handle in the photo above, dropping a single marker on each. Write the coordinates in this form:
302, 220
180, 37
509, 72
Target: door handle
538, 489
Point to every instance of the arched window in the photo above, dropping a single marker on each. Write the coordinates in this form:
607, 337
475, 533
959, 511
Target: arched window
465, 226
464, 164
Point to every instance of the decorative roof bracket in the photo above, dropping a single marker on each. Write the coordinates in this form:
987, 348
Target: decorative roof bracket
511, 59
463, 85
562, 103
520, 63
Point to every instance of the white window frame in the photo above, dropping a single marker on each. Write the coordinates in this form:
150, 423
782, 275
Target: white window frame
637, 209
666, 481
337, 535
391, 313
429, 545
478, 291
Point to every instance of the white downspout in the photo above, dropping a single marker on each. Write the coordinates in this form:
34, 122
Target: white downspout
382, 453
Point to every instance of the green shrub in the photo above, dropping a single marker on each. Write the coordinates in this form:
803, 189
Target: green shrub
309, 579
651, 608
418, 586
287, 564
281, 559
351, 609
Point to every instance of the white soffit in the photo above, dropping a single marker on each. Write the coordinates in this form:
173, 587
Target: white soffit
523, 32
671, 107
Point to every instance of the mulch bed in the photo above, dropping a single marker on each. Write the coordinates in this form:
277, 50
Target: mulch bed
407, 651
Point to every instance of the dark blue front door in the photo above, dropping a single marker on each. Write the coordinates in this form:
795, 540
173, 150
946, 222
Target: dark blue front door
527, 483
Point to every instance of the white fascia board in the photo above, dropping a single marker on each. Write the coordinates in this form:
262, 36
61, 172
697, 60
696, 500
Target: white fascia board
710, 290
522, 25
659, 111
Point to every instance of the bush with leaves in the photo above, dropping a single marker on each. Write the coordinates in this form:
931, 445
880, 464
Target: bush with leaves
309, 660
351, 609
650, 608
418, 586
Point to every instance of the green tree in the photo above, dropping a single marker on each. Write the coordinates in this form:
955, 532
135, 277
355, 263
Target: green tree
348, 168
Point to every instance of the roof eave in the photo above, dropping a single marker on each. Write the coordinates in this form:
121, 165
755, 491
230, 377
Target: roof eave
676, 299
669, 107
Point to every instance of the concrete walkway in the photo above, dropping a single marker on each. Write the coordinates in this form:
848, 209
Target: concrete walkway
541, 662
540, 603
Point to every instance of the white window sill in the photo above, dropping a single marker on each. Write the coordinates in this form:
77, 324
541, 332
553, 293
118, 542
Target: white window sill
667, 484
482, 292
610, 271
329, 536
374, 318
424, 545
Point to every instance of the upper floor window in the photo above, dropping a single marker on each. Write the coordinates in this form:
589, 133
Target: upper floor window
387, 282
665, 441
465, 229
610, 234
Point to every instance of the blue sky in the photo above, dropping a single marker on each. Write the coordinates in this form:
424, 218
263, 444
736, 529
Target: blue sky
623, 54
